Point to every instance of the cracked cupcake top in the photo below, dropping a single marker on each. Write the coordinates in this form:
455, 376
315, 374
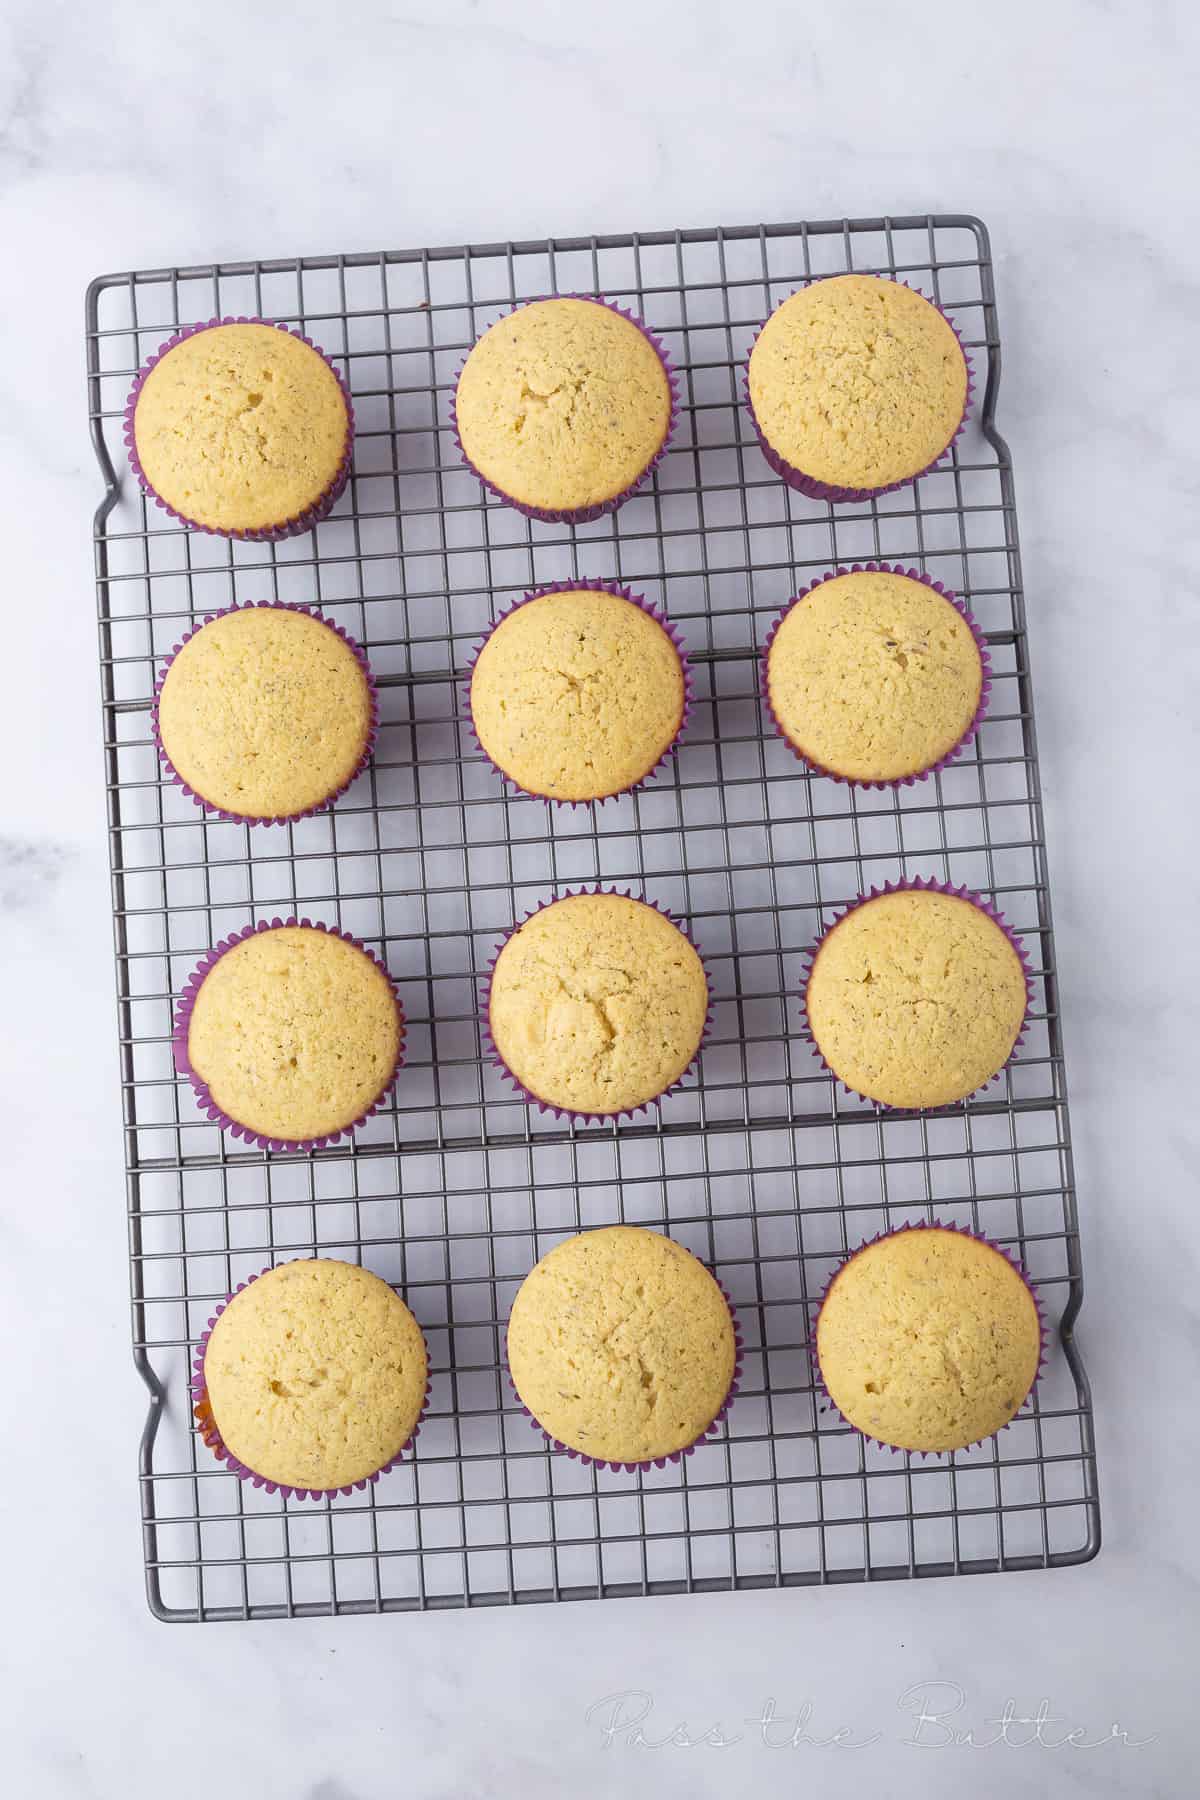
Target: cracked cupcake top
858, 382
874, 676
241, 427
916, 998
576, 695
597, 1003
928, 1339
563, 404
621, 1345
315, 1374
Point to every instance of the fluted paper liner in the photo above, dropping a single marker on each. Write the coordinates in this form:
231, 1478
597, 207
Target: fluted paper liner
204, 1098
285, 528
985, 689
655, 1462
207, 1426
306, 812
644, 605
928, 1225
918, 884
549, 1106
583, 514
823, 490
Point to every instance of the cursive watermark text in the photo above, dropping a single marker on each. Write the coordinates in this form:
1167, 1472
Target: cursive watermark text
935, 1717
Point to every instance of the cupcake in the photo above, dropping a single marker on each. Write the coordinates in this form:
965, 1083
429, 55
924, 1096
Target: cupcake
311, 1378
622, 1347
917, 995
928, 1339
265, 713
564, 406
856, 385
241, 427
875, 675
290, 1034
596, 1005
578, 692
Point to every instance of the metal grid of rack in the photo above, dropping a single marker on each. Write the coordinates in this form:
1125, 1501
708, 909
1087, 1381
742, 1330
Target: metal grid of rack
760, 1165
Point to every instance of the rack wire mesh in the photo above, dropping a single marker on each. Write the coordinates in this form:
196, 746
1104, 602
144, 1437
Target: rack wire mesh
761, 1166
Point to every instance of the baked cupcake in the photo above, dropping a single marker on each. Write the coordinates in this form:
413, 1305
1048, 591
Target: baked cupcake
564, 406
875, 675
856, 385
917, 995
290, 1034
622, 1347
596, 1004
928, 1338
265, 713
311, 1378
241, 427
579, 691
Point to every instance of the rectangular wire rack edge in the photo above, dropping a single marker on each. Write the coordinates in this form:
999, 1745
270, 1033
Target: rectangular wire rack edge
760, 1166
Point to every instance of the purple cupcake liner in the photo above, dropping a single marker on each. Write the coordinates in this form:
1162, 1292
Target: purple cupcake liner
204, 1098
822, 490
304, 521
829, 1404
306, 812
206, 1424
655, 1462
653, 612
917, 884
985, 688
548, 1106
581, 515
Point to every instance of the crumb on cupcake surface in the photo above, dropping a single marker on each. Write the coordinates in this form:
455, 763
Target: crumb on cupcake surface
916, 998
597, 1003
858, 382
577, 694
241, 427
265, 712
874, 675
562, 404
928, 1339
295, 1032
315, 1374
621, 1345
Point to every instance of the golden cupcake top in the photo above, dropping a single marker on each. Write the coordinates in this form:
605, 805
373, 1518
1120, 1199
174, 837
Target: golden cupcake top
858, 382
916, 998
562, 404
315, 1375
621, 1345
597, 1003
265, 712
577, 694
295, 1032
874, 676
241, 427
928, 1340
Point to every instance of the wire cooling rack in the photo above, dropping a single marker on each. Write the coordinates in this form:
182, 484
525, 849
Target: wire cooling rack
760, 1165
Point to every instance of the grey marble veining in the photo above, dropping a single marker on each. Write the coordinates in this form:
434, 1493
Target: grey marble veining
28, 870
138, 138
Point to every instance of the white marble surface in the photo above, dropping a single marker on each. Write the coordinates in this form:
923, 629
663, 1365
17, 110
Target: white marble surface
134, 136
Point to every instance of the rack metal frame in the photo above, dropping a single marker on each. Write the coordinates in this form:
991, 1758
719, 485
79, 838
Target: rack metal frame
761, 1165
